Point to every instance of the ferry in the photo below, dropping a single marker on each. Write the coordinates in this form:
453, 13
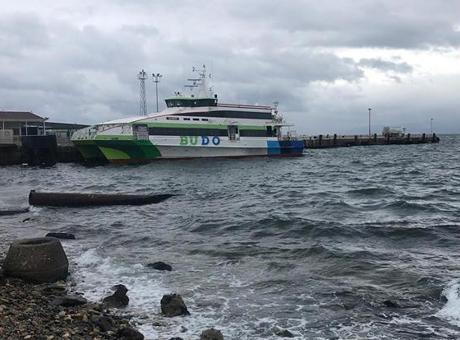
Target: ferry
193, 125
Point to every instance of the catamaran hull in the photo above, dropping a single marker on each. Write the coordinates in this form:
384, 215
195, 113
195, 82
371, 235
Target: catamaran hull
90, 152
134, 152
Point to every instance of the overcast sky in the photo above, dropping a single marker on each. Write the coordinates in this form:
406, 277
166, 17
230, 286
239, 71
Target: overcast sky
326, 62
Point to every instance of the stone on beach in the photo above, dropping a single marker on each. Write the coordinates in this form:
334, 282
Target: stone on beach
173, 305
211, 334
119, 299
160, 266
129, 333
27, 311
69, 301
36, 260
104, 323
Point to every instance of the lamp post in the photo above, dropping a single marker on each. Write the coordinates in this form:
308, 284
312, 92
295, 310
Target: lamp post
156, 80
431, 125
369, 122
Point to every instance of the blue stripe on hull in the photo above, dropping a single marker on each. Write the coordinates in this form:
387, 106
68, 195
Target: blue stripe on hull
285, 148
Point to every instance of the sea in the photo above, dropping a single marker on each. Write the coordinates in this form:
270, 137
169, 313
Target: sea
346, 243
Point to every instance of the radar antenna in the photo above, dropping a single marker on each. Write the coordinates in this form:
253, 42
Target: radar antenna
142, 76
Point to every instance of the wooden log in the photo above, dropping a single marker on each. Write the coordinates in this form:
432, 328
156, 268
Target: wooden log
55, 199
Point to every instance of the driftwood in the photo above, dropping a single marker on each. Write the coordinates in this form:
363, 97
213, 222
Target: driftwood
55, 199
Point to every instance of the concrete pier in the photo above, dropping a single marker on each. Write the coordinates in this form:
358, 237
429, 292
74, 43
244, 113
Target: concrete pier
335, 141
38, 150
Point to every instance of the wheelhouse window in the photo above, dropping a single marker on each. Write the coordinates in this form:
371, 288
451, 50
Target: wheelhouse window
189, 102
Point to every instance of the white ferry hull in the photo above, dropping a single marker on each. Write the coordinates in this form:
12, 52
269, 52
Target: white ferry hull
171, 152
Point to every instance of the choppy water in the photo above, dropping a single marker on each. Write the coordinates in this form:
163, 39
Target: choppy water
315, 245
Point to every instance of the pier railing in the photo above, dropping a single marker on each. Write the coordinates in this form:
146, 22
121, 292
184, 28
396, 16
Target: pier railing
331, 141
6, 137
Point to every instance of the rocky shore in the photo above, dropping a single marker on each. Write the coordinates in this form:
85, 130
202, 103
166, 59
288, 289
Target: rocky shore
49, 311
53, 310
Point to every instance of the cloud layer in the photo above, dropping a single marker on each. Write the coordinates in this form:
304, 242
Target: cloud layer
326, 63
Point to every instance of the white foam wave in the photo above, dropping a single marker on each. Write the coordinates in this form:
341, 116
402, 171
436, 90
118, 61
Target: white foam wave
94, 275
451, 310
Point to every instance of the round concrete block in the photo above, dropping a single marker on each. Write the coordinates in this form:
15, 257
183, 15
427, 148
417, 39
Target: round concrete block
36, 260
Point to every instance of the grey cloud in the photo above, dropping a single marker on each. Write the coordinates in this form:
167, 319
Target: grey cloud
258, 51
360, 23
21, 34
384, 65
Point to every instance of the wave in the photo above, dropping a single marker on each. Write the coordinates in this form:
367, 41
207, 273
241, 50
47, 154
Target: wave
370, 191
451, 310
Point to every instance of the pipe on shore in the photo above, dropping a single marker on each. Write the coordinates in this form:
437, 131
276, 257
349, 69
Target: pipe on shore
55, 199
13, 211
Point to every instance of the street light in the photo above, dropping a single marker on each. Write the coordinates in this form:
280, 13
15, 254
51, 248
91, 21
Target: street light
156, 80
369, 122
431, 125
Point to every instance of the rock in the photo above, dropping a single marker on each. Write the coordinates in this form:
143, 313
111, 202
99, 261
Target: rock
54, 289
284, 333
390, 304
69, 301
160, 266
118, 299
120, 289
211, 334
62, 236
173, 305
36, 260
128, 333
104, 323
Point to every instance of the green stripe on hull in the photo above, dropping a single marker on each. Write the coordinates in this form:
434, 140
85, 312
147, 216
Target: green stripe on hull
90, 151
128, 150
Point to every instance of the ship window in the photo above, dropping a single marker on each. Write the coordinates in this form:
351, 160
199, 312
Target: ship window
204, 119
166, 131
233, 132
186, 118
172, 118
253, 133
196, 118
269, 131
